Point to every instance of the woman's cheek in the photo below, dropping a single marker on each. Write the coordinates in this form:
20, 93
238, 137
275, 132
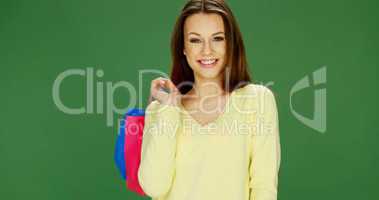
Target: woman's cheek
220, 48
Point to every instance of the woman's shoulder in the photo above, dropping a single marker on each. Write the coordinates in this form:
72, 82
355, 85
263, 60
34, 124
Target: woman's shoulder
253, 89
252, 95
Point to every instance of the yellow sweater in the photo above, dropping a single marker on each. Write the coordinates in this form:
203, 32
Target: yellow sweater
235, 157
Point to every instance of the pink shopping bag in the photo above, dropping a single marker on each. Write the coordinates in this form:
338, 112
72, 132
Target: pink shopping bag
134, 124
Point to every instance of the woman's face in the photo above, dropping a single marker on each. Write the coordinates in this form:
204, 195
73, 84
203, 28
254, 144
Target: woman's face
205, 44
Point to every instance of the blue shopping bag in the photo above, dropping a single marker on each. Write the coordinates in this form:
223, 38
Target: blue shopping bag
119, 153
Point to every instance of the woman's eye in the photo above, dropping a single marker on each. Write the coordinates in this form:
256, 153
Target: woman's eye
219, 38
194, 40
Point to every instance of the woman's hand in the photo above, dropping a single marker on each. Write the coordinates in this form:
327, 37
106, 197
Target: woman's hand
163, 90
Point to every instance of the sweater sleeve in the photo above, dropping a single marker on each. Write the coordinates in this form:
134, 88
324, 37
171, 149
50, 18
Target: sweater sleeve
157, 166
265, 149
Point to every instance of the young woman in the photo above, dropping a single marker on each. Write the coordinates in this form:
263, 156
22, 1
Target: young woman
214, 135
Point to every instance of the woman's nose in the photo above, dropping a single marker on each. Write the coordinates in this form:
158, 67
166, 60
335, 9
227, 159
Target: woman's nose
207, 48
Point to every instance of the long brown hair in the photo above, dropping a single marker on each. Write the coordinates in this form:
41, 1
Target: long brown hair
235, 53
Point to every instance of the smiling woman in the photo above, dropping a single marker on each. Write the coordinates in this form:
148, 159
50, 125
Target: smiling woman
205, 29
204, 44
214, 135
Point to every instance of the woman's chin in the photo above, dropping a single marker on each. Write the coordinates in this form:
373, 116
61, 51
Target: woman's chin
209, 73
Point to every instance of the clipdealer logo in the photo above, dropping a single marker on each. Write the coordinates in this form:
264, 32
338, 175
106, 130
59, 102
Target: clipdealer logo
317, 80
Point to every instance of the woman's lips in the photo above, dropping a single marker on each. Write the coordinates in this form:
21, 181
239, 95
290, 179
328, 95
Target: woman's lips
207, 63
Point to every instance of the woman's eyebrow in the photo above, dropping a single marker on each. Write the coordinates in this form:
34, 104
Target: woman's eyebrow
193, 33
220, 32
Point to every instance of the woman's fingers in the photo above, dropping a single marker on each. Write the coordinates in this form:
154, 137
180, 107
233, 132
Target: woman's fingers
172, 86
169, 85
164, 90
156, 84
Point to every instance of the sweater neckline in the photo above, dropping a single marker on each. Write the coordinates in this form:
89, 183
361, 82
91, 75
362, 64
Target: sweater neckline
218, 118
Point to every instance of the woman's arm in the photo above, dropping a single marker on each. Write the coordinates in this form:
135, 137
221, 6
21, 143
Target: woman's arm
265, 149
158, 150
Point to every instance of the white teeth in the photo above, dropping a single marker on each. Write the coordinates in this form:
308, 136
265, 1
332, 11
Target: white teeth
208, 62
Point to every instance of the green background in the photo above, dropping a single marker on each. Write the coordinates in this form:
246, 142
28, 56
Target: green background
47, 154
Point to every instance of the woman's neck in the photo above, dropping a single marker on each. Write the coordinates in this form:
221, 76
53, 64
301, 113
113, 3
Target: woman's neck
207, 88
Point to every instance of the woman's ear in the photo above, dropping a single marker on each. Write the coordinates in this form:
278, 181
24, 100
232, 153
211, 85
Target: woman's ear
184, 51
